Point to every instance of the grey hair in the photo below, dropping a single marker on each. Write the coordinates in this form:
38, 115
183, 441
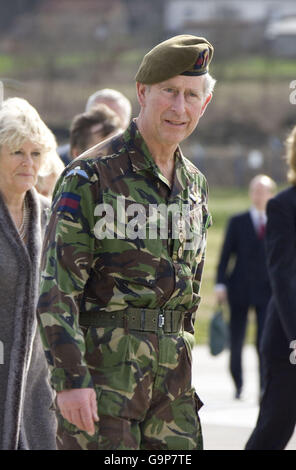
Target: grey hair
112, 95
209, 85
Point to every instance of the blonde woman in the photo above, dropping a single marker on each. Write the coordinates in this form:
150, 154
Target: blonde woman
26, 421
277, 416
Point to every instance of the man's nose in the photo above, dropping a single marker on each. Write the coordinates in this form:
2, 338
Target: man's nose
179, 103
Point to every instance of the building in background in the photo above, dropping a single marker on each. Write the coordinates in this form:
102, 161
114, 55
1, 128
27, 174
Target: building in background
254, 24
281, 35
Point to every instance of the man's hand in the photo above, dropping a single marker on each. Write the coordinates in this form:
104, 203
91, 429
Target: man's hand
79, 407
221, 294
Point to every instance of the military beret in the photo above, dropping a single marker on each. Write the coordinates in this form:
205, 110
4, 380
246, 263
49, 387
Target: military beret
179, 55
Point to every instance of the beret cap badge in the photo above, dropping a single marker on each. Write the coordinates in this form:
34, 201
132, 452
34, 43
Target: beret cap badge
202, 60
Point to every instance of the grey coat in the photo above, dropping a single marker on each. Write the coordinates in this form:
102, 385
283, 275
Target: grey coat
26, 420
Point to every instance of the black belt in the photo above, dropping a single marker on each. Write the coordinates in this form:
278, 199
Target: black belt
140, 319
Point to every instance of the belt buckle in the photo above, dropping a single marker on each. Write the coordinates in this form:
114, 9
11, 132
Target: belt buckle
160, 320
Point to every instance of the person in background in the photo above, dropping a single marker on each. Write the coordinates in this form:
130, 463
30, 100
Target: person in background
242, 278
117, 312
116, 101
26, 421
277, 414
91, 127
49, 174
87, 129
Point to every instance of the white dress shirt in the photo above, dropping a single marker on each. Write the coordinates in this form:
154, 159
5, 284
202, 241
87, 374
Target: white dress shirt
258, 217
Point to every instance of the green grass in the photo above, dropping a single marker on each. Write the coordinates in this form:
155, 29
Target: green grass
241, 68
257, 68
6, 64
75, 60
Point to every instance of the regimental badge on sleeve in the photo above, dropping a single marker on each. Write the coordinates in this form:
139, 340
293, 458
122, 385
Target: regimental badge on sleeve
69, 202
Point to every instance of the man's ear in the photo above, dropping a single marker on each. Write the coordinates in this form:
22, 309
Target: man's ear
141, 93
204, 106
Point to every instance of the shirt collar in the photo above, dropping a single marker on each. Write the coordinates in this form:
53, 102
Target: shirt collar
257, 215
139, 154
141, 159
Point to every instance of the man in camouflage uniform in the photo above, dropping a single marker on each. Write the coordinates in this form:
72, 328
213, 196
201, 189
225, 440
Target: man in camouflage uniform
122, 264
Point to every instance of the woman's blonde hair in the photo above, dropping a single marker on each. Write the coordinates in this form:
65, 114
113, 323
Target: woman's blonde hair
20, 122
291, 155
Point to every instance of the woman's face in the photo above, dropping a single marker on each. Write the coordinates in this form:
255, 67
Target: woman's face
19, 169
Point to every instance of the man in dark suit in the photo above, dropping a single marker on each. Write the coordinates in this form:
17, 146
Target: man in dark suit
277, 416
246, 284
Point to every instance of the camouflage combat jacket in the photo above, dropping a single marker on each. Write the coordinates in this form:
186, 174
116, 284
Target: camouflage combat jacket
119, 236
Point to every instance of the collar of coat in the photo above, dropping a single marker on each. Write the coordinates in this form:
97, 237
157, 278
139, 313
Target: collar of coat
141, 158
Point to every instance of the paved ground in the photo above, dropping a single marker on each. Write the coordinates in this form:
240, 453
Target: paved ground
227, 423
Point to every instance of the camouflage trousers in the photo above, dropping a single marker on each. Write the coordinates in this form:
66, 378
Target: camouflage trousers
144, 393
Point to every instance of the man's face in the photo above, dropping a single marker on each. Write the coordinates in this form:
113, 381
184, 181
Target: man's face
260, 194
170, 110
